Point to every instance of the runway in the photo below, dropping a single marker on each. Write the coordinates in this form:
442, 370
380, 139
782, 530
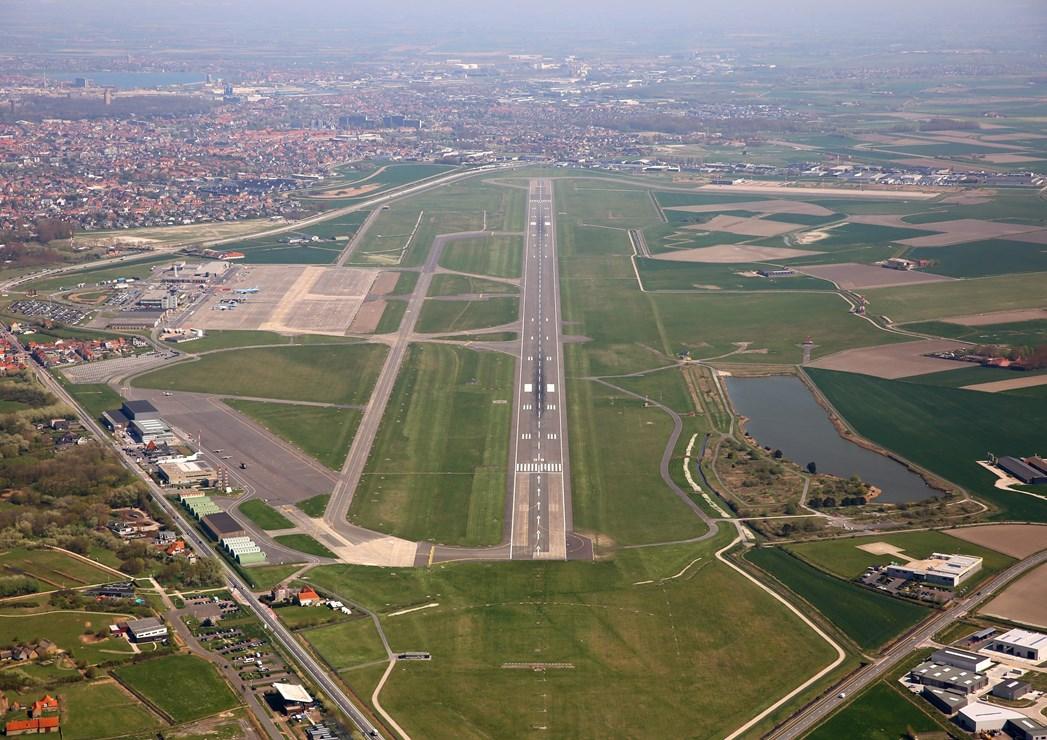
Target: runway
539, 481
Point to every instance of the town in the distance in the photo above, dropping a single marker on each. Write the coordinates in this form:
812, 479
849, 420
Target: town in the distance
457, 370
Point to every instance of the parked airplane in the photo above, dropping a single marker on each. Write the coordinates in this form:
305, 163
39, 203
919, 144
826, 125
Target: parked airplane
245, 291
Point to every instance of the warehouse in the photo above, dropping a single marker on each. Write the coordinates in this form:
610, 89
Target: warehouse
1020, 643
948, 677
220, 525
946, 701
150, 629
982, 717
1023, 728
961, 659
1022, 470
186, 473
145, 431
1012, 690
940, 569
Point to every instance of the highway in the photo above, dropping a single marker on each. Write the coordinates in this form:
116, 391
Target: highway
309, 666
539, 480
805, 720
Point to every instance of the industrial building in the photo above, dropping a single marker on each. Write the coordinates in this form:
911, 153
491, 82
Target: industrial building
1028, 471
1023, 728
220, 525
1020, 643
186, 473
939, 570
964, 659
198, 504
946, 701
982, 717
146, 431
149, 629
1012, 690
243, 550
948, 677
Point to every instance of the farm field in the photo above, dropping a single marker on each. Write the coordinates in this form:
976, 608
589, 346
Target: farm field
878, 713
1024, 601
1016, 333
464, 315
972, 375
908, 418
843, 558
325, 433
1016, 540
438, 468
201, 692
264, 515
304, 543
630, 648
867, 617
497, 255
340, 374
982, 259
923, 302
101, 709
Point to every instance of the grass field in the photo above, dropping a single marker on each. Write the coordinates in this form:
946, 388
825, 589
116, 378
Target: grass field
392, 317
264, 515
438, 467
230, 339
445, 316
1018, 333
51, 568
448, 285
668, 656
304, 543
96, 398
184, 686
343, 374
347, 644
101, 709
869, 618
972, 375
879, 713
498, 255
940, 300
909, 418
982, 259
264, 577
65, 629
844, 559
314, 506
322, 432
663, 275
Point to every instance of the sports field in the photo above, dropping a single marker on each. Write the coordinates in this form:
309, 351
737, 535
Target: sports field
342, 374
184, 686
617, 652
438, 467
322, 432
869, 618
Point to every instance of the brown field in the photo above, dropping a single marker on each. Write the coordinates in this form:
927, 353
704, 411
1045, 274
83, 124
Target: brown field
1032, 237
885, 219
385, 283
1024, 601
970, 197
367, 317
732, 253
893, 360
780, 188
965, 230
1029, 381
1016, 540
1015, 136
348, 192
1011, 158
998, 317
886, 139
852, 275
760, 206
745, 226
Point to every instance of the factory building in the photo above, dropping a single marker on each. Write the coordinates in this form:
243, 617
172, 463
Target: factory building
964, 659
1011, 690
220, 525
948, 702
948, 677
980, 716
1024, 728
1021, 644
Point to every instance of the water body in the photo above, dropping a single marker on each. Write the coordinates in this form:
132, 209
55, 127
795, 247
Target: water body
783, 414
129, 80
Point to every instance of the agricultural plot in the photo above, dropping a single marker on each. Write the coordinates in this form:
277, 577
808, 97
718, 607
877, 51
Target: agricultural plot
1024, 601
440, 316
869, 618
185, 687
325, 433
665, 654
101, 709
908, 418
953, 298
438, 468
983, 258
1014, 333
497, 255
879, 713
338, 374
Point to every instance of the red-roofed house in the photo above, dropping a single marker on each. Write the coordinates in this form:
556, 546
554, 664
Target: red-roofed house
47, 705
307, 597
34, 726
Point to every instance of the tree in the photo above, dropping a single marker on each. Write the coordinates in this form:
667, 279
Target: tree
812, 468
778, 455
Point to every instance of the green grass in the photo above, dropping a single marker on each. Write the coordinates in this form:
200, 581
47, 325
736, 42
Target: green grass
264, 515
869, 618
449, 285
694, 656
324, 432
52, 568
184, 686
878, 713
909, 418
304, 543
65, 629
984, 258
1018, 333
298, 617
957, 298
971, 375
844, 559
92, 276
438, 467
101, 709
315, 506
496, 255
231, 339
343, 374
96, 398
347, 643
446, 316
664, 275
264, 577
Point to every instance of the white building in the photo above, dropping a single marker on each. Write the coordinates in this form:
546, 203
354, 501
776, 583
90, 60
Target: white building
962, 659
146, 630
981, 716
1021, 644
939, 569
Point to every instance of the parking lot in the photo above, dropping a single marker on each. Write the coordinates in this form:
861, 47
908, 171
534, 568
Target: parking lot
47, 310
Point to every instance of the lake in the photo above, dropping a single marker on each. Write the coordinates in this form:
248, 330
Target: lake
783, 414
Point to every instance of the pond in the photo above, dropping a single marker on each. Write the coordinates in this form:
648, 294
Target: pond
783, 414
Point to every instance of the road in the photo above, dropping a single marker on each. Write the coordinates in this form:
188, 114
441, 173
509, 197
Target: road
808, 718
309, 666
538, 481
